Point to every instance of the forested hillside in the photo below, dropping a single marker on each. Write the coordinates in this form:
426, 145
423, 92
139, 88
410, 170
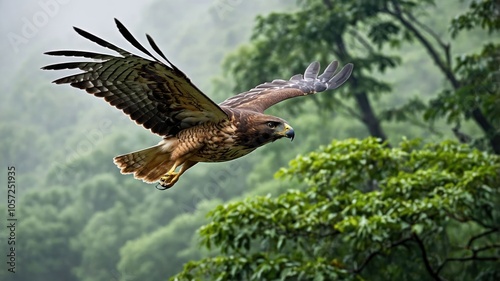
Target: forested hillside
400, 208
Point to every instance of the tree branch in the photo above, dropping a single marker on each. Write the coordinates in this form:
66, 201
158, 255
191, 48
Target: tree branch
477, 114
365, 108
493, 136
427, 264
474, 238
481, 223
378, 252
473, 257
361, 40
486, 248
398, 14
446, 46
461, 136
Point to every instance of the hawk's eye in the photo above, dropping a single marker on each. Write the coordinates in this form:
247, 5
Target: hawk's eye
271, 125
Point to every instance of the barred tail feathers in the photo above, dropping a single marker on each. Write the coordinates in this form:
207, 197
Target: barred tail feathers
149, 164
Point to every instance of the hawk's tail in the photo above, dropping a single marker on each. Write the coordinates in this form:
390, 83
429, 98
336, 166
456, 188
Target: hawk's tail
149, 164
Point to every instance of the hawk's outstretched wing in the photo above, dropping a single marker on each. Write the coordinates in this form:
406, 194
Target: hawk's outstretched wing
154, 94
268, 94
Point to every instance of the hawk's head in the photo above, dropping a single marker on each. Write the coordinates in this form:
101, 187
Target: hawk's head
259, 129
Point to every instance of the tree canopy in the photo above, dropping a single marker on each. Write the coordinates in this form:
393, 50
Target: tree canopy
369, 212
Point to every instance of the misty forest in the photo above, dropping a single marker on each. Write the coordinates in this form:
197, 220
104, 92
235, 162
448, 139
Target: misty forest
393, 176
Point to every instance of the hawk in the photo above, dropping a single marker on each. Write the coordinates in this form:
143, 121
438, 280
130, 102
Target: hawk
161, 98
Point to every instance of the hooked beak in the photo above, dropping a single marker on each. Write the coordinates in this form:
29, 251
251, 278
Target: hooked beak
289, 132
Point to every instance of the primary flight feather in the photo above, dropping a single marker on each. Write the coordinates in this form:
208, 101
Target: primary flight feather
160, 97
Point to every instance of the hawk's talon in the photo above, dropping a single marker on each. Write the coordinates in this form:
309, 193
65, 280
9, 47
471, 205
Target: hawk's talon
162, 187
168, 180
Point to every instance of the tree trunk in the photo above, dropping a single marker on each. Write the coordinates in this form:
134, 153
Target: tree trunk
476, 113
368, 116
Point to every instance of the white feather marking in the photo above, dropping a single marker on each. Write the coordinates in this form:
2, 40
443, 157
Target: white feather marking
168, 145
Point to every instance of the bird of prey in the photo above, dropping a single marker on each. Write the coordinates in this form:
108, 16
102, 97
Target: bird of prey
160, 97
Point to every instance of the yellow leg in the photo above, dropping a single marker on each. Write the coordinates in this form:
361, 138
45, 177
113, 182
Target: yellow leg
172, 170
171, 177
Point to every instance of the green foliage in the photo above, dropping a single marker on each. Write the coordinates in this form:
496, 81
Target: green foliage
365, 204
482, 14
481, 88
476, 93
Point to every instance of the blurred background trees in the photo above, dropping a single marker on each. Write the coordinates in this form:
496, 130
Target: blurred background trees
381, 208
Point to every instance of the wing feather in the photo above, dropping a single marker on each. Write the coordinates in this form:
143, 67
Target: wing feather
329, 71
83, 54
156, 95
268, 94
312, 71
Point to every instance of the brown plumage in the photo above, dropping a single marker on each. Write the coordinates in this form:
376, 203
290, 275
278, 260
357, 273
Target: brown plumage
160, 97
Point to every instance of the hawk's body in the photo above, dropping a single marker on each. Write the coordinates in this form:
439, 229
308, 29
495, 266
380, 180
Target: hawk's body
194, 129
